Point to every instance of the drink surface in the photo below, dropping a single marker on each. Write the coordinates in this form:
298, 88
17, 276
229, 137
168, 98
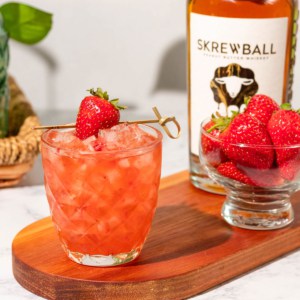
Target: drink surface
235, 49
102, 192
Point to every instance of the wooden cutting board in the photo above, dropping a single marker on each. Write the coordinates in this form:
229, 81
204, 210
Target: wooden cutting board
189, 250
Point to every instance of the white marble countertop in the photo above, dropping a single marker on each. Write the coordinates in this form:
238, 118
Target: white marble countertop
27, 203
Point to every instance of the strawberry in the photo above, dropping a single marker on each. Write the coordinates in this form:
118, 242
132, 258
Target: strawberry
230, 170
262, 108
96, 112
263, 178
211, 146
252, 134
251, 176
290, 170
284, 130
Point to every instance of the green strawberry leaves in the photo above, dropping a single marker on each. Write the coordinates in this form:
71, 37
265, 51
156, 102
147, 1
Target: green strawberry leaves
25, 23
115, 103
247, 100
99, 93
286, 106
104, 95
221, 122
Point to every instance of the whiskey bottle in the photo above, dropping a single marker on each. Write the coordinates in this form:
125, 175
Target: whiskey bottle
236, 49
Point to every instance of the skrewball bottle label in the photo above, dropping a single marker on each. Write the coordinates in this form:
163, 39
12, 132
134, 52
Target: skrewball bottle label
231, 59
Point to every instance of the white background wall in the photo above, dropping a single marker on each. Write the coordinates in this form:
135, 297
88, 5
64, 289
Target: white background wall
134, 49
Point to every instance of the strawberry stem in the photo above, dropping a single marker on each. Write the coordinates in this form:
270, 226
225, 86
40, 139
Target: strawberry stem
286, 106
221, 122
247, 99
99, 93
115, 103
104, 95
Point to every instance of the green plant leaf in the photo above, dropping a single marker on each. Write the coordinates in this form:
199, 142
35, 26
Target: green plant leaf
25, 23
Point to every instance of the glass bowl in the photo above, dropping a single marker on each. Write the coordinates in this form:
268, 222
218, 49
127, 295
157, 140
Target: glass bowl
256, 197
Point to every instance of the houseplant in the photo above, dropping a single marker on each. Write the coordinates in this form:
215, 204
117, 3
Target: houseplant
19, 144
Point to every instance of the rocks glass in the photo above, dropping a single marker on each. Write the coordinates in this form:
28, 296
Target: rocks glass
102, 200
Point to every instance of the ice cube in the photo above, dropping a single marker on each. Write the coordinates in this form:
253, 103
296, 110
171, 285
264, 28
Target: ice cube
124, 163
125, 136
113, 176
66, 140
89, 142
63, 137
144, 161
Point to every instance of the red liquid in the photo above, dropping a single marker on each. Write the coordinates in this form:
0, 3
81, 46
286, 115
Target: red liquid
102, 203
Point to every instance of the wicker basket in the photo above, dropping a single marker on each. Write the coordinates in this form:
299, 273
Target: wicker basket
18, 151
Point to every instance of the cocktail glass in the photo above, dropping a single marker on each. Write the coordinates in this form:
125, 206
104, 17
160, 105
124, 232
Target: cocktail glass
102, 202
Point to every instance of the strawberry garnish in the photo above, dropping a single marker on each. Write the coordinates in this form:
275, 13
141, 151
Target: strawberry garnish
96, 112
262, 108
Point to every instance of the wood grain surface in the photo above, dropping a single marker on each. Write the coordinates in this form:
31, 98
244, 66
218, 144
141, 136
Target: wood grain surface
189, 250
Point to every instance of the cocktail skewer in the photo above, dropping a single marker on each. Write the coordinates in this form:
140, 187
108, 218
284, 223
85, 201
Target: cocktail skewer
162, 121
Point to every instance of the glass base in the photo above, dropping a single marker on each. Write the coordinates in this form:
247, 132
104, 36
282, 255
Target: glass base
200, 179
257, 214
102, 260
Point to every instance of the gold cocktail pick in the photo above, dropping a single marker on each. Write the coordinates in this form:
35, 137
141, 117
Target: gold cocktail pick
162, 121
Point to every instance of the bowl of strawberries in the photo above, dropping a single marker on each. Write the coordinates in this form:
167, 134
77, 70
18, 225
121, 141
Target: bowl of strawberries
255, 155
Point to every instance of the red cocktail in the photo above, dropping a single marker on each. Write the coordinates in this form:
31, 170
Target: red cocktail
102, 191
